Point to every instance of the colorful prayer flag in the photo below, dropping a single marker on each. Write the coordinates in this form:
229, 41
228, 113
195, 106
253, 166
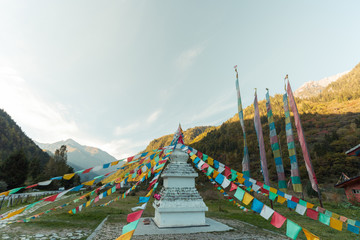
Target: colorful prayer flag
260, 137
275, 145
302, 140
295, 176
246, 158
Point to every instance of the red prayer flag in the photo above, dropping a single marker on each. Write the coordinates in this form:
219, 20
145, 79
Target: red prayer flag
31, 186
302, 140
199, 154
205, 165
87, 170
130, 159
294, 199
312, 214
51, 198
227, 172
233, 187
134, 216
277, 220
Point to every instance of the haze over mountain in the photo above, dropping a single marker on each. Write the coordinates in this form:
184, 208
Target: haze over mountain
314, 88
80, 156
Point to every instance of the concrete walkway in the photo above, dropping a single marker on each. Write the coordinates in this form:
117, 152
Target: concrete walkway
151, 229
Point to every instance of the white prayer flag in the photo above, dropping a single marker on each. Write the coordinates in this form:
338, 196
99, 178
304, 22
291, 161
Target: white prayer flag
300, 209
266, 212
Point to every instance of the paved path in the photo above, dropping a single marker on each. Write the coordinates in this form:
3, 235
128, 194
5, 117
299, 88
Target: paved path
241, 230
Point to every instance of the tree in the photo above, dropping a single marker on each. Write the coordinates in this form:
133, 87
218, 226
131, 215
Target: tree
15, 169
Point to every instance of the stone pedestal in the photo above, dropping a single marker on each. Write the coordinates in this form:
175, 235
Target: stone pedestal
180, 205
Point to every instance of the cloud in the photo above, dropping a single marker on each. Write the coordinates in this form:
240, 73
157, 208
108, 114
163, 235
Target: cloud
187, 58
46, 121
153, 117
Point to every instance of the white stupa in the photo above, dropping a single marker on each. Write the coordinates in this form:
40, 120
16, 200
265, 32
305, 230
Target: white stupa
180, 204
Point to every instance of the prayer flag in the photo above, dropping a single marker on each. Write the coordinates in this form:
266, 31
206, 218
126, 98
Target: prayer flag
225, 183
239, 194
353, 229
134, 216
266, 212
300, 209
336, 224
219, 178
246, 159
302, 140
233, 187
295, 175
324, 219
312, 214
277, 220
143, 199
260, 137
309, 235
247, 198
275, 146
257, 205
292, 229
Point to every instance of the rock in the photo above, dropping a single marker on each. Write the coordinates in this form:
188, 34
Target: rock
69, 234
39, 235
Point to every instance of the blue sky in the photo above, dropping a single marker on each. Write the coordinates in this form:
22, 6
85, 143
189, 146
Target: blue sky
117, 74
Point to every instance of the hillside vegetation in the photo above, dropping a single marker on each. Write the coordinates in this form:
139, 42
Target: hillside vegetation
331, 122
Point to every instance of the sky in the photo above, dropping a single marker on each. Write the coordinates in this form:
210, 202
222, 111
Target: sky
118, 74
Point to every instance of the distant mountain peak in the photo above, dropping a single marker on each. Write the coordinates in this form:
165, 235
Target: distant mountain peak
314, 88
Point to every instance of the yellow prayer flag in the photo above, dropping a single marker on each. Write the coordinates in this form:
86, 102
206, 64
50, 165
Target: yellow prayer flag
309, 235
88, 203
68, 176
5, 193
247, 198
336, 216
336, 224
241, 180
89, 183
193, 157
297, 187
108, 192
240, 175
215, 173
114, 163
309, 205
149, 193
70, 212
126, 236
14, 213
273, 190
281, 199
221, 190
210, 161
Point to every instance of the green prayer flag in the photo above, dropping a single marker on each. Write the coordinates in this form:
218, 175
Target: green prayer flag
209, 171
324, 219
302, 202
328, 213
239, 194
272, 196
292, 229
266, 187
129, 227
